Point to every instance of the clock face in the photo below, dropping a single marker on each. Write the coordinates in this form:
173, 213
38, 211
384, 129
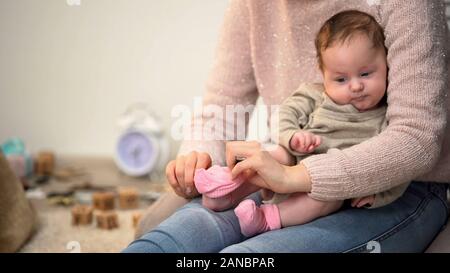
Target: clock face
136, 153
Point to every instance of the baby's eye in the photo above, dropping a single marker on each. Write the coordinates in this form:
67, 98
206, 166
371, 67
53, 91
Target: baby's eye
340, 80
365, 74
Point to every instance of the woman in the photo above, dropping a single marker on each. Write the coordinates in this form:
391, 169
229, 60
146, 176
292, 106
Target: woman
266, 49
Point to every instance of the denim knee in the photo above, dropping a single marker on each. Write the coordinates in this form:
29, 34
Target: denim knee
238, 248
143, 246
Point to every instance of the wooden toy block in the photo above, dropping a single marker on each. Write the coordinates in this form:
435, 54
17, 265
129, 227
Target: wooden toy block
136, 217
128, 198
107, 220
81, 215
103, 200
45, 163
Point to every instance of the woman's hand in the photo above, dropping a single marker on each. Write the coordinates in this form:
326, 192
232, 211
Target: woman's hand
180, 172
263, 170
363, 201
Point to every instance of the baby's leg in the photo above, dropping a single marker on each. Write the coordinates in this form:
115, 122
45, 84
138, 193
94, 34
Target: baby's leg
280, 154
231, 199
299, 209
254, 220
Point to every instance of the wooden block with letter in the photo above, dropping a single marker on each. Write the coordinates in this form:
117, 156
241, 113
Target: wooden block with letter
128, 198
45, 163
104, 200
81, 215
107, 219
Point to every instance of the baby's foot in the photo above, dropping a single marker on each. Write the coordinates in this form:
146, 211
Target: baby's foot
216, 182
254, 220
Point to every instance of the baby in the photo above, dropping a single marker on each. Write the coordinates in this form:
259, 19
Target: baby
347, 109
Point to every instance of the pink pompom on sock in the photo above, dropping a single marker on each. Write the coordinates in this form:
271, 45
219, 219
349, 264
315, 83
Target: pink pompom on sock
254, 220
216, 181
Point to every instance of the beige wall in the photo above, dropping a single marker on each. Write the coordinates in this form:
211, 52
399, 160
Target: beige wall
68, 72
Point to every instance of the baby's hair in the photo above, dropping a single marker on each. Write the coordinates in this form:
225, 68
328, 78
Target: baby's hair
342, 27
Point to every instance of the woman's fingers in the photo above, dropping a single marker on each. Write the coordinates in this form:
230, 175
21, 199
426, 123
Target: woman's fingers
260, 182
366, 201
362, 201
170, 174
361, 204
355, 201
203, 161
171, 177
190, 166
248, 165
268, 173
179, 171
240, 149
251, 167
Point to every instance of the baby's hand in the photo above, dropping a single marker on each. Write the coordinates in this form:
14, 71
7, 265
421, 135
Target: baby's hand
304, 142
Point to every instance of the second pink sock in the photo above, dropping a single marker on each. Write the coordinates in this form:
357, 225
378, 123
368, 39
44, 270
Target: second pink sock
254, 220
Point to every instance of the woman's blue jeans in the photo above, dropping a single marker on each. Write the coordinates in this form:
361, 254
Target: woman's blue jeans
407, 225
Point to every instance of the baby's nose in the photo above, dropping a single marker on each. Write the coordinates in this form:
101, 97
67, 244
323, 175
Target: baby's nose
356, 86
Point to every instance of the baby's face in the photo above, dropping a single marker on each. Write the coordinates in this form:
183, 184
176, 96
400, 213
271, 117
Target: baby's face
355, 73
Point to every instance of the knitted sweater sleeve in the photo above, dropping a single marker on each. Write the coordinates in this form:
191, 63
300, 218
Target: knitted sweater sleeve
294, 113
410, 145
231, 82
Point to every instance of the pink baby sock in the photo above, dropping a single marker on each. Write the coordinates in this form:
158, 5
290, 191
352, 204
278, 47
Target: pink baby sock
254, 220
216, 181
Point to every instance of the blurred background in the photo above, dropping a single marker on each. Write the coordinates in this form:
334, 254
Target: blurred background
70, 68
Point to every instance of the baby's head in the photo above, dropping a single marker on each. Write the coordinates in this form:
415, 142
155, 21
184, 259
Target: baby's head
352, 57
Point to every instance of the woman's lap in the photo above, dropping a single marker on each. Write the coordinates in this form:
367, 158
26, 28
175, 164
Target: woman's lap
407, 225
192, 228
419, 214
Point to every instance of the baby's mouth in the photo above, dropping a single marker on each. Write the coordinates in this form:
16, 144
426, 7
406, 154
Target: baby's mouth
360, 98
